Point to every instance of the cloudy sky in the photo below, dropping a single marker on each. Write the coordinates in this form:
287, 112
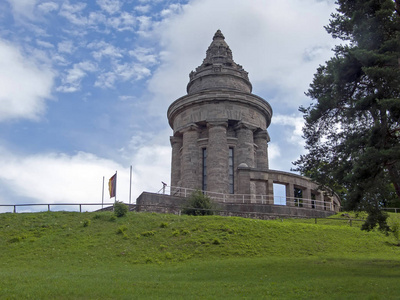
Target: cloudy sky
85, 85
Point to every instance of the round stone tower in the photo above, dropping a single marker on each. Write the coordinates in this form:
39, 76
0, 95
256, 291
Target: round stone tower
219, 127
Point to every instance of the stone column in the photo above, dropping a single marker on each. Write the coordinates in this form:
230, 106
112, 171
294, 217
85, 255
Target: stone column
270, 191
320, 200
245, 145
176, 144
307, 197
190, 159
290, 194
261, 139
217, 158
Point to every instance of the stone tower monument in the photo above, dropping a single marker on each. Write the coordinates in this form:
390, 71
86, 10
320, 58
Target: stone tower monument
218, 126
220, 138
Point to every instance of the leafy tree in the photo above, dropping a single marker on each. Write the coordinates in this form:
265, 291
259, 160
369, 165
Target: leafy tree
198, 205
352, 129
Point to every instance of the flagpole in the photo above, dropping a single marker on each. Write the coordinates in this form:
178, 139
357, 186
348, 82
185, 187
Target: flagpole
130, 186
102, 195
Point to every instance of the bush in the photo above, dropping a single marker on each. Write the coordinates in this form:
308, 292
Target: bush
122, 229
164, 225
198, 205
148, 233
120, 209
376, 217
86, 223
394, 224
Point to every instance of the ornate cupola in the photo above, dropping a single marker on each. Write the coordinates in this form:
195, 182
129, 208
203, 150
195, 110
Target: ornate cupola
218, 70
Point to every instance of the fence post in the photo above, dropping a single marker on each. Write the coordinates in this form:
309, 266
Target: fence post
315, 220
15, 209
80, 207
351, 223
48, 207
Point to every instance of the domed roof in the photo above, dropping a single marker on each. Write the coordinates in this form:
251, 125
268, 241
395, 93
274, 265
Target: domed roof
218, 70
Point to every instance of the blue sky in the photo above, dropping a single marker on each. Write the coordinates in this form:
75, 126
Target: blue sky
85, 86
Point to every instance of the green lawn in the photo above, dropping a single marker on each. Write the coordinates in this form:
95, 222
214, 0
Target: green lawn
62, 255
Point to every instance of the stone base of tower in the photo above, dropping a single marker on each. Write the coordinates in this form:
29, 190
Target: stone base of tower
161, 203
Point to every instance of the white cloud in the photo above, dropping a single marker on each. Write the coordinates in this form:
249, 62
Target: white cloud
24, 8
66, 46
145, 24
71, 81
25, 84
44, 44
273, 151
62, 178
47, 7
294, 125
123, 72
143, 8
73, 12
125, 21
144, 55
172, 9
106, 80
104, 49
110, 6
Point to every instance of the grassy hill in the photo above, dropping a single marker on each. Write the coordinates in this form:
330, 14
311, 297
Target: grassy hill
97, 256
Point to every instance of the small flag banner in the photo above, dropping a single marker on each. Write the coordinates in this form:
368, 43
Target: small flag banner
112, 185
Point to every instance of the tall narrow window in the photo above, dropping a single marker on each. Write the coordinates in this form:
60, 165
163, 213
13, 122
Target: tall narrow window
204, 183
231, 178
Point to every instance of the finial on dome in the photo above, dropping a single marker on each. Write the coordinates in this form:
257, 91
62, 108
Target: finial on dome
218, 35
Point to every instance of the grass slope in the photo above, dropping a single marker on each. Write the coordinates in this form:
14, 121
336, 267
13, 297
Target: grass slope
68, 255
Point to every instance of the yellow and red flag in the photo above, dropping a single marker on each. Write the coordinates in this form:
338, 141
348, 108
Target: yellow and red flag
112, 185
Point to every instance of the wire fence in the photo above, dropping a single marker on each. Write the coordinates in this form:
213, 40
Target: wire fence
53, 206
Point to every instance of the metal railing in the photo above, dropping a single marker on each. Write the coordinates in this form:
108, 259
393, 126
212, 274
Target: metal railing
389, 209
251, 198
14, 206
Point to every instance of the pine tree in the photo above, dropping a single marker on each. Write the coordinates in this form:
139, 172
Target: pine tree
352, 128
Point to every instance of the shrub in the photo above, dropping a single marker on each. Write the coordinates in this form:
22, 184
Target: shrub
376, 217
198, 205
96, 217
394, 224
216, 241
122, 229
15, 239
148, 260
120, 209
86, 223
148, 233
164, 225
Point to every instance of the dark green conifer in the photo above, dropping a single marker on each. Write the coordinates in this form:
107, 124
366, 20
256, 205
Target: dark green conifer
352, 129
